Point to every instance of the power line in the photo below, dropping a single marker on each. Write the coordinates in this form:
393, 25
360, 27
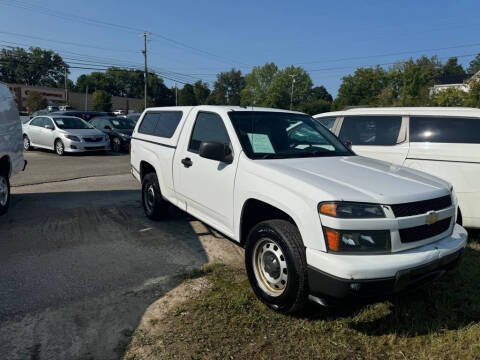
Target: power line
58, 14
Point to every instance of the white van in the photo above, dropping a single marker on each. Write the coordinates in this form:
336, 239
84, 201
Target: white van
444, 142
11, 145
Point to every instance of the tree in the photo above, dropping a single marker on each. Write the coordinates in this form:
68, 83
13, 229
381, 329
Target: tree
35, 101
102, 101
36, 67
257, 83
201, 91
450, 97
474, 65
315, 107
227, 88
278, 94
417, 79
452, 68
361, 88
473, 96
186, 96
320, 93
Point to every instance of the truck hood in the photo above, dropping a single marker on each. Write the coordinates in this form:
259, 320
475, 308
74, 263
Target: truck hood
357, 178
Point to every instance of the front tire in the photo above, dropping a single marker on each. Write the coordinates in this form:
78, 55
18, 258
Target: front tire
4, 193
276, 265
116, 145
26, 143
59, 148
154, 205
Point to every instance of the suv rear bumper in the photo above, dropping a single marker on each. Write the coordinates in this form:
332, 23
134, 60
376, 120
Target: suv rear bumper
407, 270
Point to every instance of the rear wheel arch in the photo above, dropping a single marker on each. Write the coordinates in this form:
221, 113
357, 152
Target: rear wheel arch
146, 168
255, 211
5, 166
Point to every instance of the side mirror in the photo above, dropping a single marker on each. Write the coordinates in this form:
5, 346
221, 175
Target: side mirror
347, 143
49, 127
215, 151
107, 127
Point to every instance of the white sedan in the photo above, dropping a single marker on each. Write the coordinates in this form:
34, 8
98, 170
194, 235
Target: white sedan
63, 134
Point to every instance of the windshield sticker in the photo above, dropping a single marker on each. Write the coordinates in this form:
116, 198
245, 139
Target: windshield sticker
261, 143
60, 122
116, 122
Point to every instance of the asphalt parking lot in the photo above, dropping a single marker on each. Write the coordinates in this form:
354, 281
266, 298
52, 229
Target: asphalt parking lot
79, 261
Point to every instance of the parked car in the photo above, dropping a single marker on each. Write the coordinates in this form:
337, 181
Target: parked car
63, 134
133, 116
85, 115
119, 112
52, 108
11, 152
39, 112
317, 222
118, 129
444, 142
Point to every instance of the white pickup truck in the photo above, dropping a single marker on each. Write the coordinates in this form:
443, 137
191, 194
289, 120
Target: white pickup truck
317, 222
11, 145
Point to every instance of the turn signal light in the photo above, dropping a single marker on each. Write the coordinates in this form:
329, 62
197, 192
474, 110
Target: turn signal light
333, 239
329, 209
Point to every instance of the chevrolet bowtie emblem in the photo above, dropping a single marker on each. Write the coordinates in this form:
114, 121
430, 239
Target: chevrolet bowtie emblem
432, 217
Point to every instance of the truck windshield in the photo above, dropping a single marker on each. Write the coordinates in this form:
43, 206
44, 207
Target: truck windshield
275, 135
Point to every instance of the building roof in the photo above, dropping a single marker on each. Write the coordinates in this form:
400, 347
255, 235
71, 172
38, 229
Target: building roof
443, 111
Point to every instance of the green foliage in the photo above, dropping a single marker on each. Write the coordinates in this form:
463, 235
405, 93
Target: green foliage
450, 97
474, 65
201, 91
186, 96
257, 83
315, 107
35, 101
34, 66
102, 101
227, 88
473, 96
278, 94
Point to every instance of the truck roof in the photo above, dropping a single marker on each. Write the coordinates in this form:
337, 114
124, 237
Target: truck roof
220, 107
439, 111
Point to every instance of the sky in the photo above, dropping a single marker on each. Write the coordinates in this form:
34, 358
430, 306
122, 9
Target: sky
194, 40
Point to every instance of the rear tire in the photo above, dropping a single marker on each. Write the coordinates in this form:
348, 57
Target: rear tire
4, 193
276, 265
154, 205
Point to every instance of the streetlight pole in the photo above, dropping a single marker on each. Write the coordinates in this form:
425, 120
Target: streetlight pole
291, 93
176, 94
66, 90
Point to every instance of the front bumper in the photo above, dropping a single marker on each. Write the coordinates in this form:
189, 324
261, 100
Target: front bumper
80, 146
372, 276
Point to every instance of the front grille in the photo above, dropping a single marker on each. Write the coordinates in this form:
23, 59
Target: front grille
93, 139
421, 207
423, 232
94, 147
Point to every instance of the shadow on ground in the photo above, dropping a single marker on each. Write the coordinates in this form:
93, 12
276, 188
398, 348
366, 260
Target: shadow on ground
79, 269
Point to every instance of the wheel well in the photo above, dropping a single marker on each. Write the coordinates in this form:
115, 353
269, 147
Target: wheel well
459, 217
5, 166
255, 211
145, 168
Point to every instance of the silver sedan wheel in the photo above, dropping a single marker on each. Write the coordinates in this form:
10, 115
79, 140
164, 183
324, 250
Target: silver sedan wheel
26, 143
3, 191
59, 148
270, 267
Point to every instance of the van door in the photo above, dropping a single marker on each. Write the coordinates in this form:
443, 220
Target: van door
378, 136
206, 185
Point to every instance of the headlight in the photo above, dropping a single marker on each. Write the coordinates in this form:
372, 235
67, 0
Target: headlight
351, 210
73, 138
357, 241
126, 136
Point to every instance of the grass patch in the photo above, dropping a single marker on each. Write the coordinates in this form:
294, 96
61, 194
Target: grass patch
441, 321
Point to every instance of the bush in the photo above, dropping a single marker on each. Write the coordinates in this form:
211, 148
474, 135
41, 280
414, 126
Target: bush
35, 101
450, 97
102, 101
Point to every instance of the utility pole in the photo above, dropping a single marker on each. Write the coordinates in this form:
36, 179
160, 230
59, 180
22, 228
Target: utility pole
291, 93
86, 98
66, 90
145, 73
176, 94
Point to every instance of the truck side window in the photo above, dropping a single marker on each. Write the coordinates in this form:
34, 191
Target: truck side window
371, 130
160, 123
208, 127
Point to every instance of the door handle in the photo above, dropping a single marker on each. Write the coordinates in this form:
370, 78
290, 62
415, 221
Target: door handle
187, 162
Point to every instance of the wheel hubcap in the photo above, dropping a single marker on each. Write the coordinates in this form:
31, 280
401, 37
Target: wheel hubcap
270, 267
59, 148
26, 143
3, 191
149, 197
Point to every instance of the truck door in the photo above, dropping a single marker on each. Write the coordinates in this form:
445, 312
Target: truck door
377, 136
205, 185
